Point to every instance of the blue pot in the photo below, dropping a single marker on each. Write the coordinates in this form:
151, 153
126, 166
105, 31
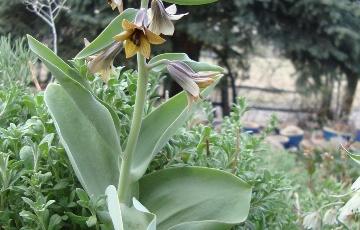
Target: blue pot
357, 137
294, 141
330, 133
251, 130
251, 127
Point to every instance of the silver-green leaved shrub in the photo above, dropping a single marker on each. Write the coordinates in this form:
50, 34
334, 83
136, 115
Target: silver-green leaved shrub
343, 212
176, 198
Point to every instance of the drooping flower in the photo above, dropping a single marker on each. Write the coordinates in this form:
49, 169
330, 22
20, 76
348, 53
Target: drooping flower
312, 221
350, 210
190, 80
137, 37
330, 217
161, 18
116, 4
103, 61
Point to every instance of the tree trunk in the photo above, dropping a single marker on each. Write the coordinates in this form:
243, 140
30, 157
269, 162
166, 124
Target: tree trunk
225, 96
232, 83
352, 82
325, 112
182, 44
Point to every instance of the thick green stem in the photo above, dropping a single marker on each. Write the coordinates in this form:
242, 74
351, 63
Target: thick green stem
125, 180
144, 4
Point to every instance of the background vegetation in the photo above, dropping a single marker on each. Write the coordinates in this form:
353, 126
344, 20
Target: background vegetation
320, 37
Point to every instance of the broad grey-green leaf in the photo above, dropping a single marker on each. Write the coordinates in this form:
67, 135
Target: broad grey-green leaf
105, 38
190, 2
158, 127
88, 134
65, 75
202, 225
196, 66
60, 69
195, 198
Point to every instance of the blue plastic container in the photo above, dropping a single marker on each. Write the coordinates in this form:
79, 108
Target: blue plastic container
329, 133
251, 127
294, 141
295, 135
357, 137
251, 130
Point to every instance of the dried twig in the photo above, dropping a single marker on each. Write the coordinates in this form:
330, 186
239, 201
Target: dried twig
33, 76
48, 11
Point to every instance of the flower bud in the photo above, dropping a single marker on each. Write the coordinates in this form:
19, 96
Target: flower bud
312, 221
189, 80
330, 217
103, 62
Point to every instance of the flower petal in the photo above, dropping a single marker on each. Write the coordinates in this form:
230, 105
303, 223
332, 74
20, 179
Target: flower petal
167, 27
123, 36
203, 83
116, 4
153, 38
127, 25
103, 61
175, 17
130, 48
145, 48
141, 18
184, 80
105, 74
183, 67
163, 26
171, 9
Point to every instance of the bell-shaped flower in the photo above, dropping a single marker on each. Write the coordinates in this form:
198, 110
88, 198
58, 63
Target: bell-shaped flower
190, 80
161, 18
116, 4
312, 221
103, 61
350, 210
330, 217
137, 37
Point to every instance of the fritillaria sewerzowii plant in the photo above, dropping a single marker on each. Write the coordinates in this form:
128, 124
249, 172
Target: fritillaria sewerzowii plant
176, 198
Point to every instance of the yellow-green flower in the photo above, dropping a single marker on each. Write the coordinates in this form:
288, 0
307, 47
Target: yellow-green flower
161, 18
138, 38
116, 4
102, 62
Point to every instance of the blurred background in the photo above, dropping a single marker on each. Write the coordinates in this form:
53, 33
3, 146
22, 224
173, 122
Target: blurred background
291, 78
299, 59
